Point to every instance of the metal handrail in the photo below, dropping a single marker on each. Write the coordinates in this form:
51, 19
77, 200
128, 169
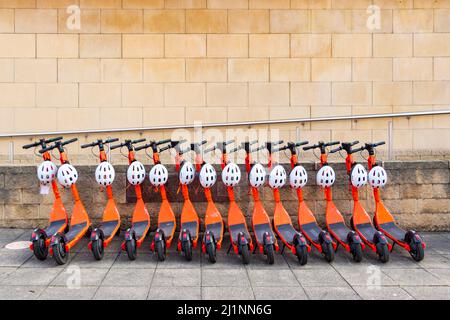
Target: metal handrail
232, 124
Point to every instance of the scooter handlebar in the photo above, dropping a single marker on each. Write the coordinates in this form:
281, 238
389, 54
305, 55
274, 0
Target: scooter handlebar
41, 142
57, 144
98, 142
127, 143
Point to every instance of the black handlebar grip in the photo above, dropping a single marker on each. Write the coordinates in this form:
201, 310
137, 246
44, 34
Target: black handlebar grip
332, 143
88, 145
164, 148
209, 149
358, 149
228, 142
301, 143
31, 145
310, 147
253, 142
336, 150
53, 139
379, 143
69, 141
353, 143
138, 141
145, 146
112, 140
162, 142
257, 149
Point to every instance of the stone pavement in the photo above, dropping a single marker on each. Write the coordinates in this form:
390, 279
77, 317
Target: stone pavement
115, 277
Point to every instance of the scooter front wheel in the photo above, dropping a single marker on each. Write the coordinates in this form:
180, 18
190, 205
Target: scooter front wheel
211, 251
356, 251
160, 250
40, 250
383, 252
245, 254
187, 250
131, 248
327, 250
302, 254
270, 254
97, 249
417, 252
60, 254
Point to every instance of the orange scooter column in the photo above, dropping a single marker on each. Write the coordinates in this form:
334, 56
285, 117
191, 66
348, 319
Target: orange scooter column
102, 236
262, 228
80, 223
214, 228
361, 221
158, 177
307, 222
58, 219
384, 221
291, 238
140, 220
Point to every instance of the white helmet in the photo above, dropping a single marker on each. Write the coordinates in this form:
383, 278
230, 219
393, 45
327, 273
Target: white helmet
187, 173
136, 173
208, 176
105, 174
46, 172
158, 175
358, 176
298, 177
277, 177
325, 176
377, 177
231, 174
257, 175
67, 175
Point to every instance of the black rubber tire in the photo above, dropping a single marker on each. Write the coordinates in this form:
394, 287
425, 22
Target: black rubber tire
131, 248
40, 250
97, 249
160, 250
117, 233
327, 250
383, 252
59, 253
302, 254
186, 246
211, 252
356, 251
417, 252
270, 253
245, 254
88, 232
66, 229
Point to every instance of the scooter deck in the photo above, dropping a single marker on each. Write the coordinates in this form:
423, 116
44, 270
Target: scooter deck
192, 226
168, 228
55, 226
140, 228
75, 231
339, 231
108, 227
392, 231
216, 229
235, 229
366, 230
311, 230
286, 232
260, 229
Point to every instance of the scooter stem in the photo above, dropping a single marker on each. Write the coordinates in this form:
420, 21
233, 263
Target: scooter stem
109, 192
185, 191
276, 195
208, 194
75, 193
55, 190
255, 193
230, 193
162, 190
300, 194
138, 191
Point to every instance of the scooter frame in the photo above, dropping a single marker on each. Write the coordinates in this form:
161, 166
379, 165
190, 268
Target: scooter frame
102, 235
58, 217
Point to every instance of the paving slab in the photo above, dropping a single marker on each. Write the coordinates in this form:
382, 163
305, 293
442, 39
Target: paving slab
12, 234
428, 292
272, 278
64, 293
177, 278
23, 277
20, 292
121, 293
259, 261
227, 293
33, 262
443, 274
331, 293
175, 293
176, 260
319, 278
84, 277
224, 261
225, 278
412, 277
143, 261
382, 293
14, 258
435, 261
128, 278
280, 293
87, 260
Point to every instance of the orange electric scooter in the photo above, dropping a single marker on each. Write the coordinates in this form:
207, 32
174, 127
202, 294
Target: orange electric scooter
410, 240
307, 222
361, 221
262, 228
80, 224
58, 220
190, 221
102, 236
140, 221
282, 223
240, 238
212, 239
344, 236
166, 218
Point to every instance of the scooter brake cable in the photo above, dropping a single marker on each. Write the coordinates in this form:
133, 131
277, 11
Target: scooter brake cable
315, 155
93, 153
148, 154
121, 152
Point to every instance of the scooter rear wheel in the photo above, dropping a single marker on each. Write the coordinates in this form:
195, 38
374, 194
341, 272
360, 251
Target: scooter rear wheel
60, 254
40, 250
245, 254
211, 251
270, 254
302, 254
417, 252
356, 251
97, 249
383, 252
131, 248
187, 250
160, 250
327, 250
